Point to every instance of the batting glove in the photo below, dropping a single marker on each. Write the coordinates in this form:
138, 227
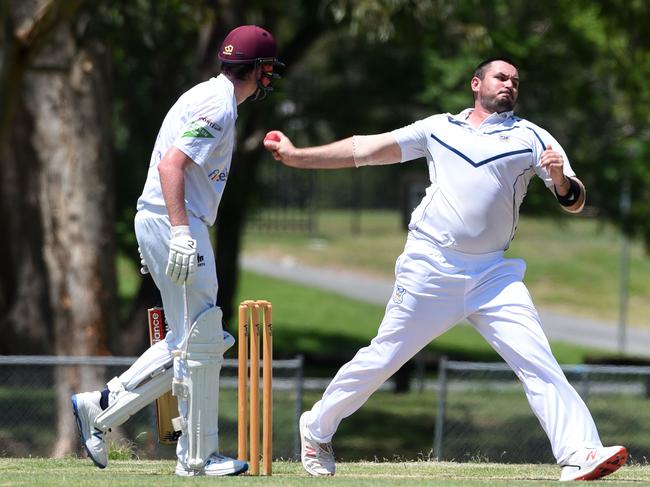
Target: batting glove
181, 265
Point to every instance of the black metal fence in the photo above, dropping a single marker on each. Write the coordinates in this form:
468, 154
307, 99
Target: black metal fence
286, 200
28, 415
483, 413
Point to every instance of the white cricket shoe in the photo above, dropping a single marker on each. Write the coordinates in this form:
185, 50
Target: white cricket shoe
317, 458
215, 466
86, 408
593, 463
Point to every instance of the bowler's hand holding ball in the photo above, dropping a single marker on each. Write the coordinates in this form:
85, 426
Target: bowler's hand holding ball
273, 135
271, 143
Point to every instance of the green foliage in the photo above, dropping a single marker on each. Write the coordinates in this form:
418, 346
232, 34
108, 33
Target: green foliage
584, 69
153, 46
373, 65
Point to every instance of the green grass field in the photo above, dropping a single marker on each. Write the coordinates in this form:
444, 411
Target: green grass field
149, 473
573, 262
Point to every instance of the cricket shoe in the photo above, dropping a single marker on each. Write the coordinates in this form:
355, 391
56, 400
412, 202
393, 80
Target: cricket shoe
593, 463
215, 466
317, 458
86, 408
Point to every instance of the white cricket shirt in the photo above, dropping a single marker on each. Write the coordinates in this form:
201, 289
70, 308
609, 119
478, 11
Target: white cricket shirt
479, 177
202, 125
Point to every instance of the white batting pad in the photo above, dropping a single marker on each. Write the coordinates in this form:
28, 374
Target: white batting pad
196, 385
125, 403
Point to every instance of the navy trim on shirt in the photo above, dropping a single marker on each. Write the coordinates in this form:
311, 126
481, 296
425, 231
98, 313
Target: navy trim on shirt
456, 122
538, 138
485, 161
502, 130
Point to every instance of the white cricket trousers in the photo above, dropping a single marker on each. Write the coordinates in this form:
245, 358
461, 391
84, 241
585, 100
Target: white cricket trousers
436, 288
153, 232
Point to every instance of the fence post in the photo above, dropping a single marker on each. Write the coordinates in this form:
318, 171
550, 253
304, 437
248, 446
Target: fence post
300, 386
586, 385
440, 415
420, 370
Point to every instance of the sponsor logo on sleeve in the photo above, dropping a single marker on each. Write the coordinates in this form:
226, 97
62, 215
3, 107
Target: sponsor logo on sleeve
198, 129
210, 123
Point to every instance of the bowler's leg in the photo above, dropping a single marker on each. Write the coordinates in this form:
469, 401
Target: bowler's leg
425, 304
510, 324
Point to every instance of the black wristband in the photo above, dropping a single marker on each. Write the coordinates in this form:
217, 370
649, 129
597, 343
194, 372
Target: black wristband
572, 196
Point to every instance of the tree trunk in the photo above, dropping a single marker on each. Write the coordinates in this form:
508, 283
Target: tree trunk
65, 95
133, 335
25, 312
25, 317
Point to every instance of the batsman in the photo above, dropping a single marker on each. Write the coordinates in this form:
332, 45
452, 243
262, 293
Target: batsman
187, 175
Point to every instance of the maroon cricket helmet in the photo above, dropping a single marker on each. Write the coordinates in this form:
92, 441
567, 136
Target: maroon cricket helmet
248, 44
252, 44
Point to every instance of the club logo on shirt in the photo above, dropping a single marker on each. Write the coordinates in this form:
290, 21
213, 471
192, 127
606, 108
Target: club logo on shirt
196, 130
217, 175
398, 294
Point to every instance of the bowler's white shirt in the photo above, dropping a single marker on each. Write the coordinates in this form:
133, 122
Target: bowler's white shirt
479, 177
202, 125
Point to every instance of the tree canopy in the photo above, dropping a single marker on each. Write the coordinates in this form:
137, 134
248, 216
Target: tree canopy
102, 75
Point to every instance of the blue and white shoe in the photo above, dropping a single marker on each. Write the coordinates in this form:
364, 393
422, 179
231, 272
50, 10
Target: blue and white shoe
86, 408
215, 466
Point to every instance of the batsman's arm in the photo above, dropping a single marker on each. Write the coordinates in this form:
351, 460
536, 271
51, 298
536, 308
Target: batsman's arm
181, 263
356, 151
172, 181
